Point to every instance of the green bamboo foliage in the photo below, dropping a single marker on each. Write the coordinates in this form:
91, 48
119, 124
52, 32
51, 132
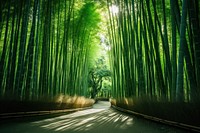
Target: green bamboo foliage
153, 42
45, 47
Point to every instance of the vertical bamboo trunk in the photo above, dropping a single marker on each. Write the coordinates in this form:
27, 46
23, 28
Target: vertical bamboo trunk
23, 38
195, 29
179, 83
8, 87
174, 52
30, 50
3, 56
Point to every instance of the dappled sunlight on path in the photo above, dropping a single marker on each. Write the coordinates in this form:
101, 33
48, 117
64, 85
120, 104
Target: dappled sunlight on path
99, 119
88, 120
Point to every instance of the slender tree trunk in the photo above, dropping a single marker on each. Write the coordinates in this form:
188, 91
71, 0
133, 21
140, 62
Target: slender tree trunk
193, 14
14, 57
179, 83
8, 88
3, 56
174, 51
157, 61
36, 60
20, 69
29, 79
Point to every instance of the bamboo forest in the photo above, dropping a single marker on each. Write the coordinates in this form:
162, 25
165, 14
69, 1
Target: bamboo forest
143, 55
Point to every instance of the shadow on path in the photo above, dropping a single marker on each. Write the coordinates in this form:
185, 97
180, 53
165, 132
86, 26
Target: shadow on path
100, 119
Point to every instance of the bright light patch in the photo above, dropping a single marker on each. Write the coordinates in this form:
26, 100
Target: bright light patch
103, 42
114, 9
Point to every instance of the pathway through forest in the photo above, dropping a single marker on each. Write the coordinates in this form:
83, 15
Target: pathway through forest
99, 119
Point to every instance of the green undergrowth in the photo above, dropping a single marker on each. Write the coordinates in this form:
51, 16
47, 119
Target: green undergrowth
186, 113
59, 102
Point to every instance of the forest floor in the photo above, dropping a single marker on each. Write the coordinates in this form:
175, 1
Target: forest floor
99, 119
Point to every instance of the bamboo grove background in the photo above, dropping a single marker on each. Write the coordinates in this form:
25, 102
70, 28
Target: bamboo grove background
46, 47
155, 50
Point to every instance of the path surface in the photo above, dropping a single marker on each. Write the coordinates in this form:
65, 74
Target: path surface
100, 119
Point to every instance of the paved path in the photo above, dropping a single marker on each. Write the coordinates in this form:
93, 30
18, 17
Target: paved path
100, 119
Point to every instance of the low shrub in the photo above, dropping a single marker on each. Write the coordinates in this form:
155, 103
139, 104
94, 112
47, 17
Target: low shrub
58, 102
